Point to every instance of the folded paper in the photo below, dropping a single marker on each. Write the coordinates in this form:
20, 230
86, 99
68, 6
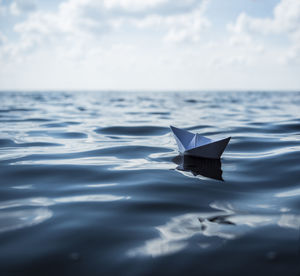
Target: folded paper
197, 145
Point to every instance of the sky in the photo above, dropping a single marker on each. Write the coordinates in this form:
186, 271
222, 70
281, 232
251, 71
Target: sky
150, 45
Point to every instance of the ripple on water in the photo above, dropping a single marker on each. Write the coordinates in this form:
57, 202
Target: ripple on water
133, 130
177, 234
10, 143
58, 125
55, 134
34, 120
17, 110
17, 219
69, 135
252, 144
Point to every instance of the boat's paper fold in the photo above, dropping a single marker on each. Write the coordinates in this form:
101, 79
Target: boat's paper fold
197, 145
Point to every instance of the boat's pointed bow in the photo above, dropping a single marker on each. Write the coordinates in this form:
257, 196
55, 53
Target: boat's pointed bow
182, 137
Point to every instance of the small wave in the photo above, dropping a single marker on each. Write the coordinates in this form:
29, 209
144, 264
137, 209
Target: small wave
54, 125
128, 152
5, 143
69, 135
251, 144
192, 101
17, 110
159, 113
265, 128
14, 220
25, 120
133, 130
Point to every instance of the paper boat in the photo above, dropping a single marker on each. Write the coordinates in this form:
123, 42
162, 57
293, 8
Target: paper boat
197, 145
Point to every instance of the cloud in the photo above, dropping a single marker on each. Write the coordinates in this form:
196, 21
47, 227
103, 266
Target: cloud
285, 21
3, 39
187, 27
149, 43
19, 7
147, 7
292, 55
86, 22
238, 61
94, 16
184, 27
286, 18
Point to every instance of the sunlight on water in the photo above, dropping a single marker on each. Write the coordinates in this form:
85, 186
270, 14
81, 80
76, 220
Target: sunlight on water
175, 234
290, 193
52, 201
13, 220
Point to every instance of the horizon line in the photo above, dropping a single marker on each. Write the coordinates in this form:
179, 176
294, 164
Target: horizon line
148, 91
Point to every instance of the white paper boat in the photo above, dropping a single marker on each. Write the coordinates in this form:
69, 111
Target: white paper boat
197, 145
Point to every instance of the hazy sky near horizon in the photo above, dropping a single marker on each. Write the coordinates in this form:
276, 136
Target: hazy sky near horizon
150, 44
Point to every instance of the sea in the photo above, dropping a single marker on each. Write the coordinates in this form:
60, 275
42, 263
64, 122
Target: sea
92, 183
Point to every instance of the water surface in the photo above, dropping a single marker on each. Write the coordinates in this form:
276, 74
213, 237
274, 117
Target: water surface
92, 184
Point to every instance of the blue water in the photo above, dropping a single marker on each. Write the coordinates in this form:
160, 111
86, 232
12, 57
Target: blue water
92, 184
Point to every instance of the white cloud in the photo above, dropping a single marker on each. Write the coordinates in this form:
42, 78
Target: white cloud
146, 7
3, 39
124, 44
292, 55
19, 7
132, 5
285, 22
185, 27
83, 31
85, 22
286, 18
222, 62
91, 15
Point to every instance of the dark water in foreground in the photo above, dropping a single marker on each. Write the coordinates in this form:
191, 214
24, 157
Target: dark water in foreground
91, 184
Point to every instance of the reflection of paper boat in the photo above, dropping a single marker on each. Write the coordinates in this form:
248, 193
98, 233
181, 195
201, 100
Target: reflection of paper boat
206, 167
197, 145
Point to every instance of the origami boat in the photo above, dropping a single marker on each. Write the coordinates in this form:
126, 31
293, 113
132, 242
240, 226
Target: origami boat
197, 145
